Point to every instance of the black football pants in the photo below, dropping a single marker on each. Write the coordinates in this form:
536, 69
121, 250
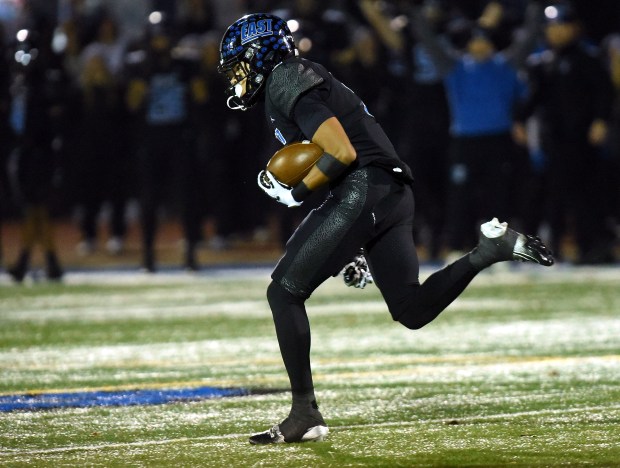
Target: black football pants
370, 208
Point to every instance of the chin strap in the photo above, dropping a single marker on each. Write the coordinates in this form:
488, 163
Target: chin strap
234, 103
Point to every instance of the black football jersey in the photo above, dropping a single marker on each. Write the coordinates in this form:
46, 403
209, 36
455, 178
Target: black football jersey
301, 95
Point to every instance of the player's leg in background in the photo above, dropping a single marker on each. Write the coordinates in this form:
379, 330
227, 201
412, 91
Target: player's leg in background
150, 189
459, 228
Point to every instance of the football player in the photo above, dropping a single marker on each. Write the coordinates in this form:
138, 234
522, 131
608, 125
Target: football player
370, 205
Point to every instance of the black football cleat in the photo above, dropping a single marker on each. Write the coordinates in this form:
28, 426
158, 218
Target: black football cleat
19, 270
18, 273
54, 271
498, 243
274, 436
530, 248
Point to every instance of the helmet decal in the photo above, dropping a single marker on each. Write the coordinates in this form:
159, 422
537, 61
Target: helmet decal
252, 30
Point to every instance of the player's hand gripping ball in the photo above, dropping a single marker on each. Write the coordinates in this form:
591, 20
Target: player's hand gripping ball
279, 192
291, 164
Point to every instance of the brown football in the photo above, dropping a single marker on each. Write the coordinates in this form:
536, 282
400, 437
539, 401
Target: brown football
290, 164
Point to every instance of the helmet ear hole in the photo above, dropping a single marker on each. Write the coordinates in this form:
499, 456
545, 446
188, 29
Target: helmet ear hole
249, 53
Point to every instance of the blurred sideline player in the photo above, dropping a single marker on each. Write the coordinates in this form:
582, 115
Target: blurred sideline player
370, 205
572, 96
36, 107
162, 93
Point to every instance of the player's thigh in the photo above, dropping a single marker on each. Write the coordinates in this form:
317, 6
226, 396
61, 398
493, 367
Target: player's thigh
320, 247
329, 236
392, 254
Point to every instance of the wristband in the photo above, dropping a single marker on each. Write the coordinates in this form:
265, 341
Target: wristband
300, 192
330, 166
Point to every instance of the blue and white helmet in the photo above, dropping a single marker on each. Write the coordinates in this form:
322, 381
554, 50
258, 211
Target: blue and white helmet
257, 42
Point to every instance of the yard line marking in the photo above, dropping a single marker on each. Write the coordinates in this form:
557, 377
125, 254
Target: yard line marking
137, 397
517, 273
423, 365
150, 443
229, 383
488, 417
109, 311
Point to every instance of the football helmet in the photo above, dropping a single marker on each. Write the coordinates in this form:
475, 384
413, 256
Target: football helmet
251, 48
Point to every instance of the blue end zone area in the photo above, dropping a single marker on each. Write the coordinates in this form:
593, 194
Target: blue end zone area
31, 402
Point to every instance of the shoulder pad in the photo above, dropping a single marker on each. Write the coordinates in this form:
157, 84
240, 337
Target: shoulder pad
289, 81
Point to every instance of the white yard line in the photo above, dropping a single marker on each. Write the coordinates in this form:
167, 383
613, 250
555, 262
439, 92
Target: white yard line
371, 426
514, 273
413, 368
243, 308
401, 344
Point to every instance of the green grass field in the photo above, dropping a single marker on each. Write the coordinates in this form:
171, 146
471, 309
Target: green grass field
523, 370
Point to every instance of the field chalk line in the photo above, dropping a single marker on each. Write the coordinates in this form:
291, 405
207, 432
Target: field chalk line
149, 443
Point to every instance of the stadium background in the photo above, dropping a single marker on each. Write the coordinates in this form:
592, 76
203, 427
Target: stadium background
257, 229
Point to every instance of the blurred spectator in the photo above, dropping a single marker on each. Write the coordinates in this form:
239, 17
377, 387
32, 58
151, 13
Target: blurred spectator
363, 66
321, 30
612, 181
161, 90
108, 44
196, 16
612, 47
37, 87
244, 135
483, 88
5, 130
211, 145
102, 166
572, 93
73, 33
418, 117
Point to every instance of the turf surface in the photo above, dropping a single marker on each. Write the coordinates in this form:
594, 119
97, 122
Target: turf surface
523, 370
